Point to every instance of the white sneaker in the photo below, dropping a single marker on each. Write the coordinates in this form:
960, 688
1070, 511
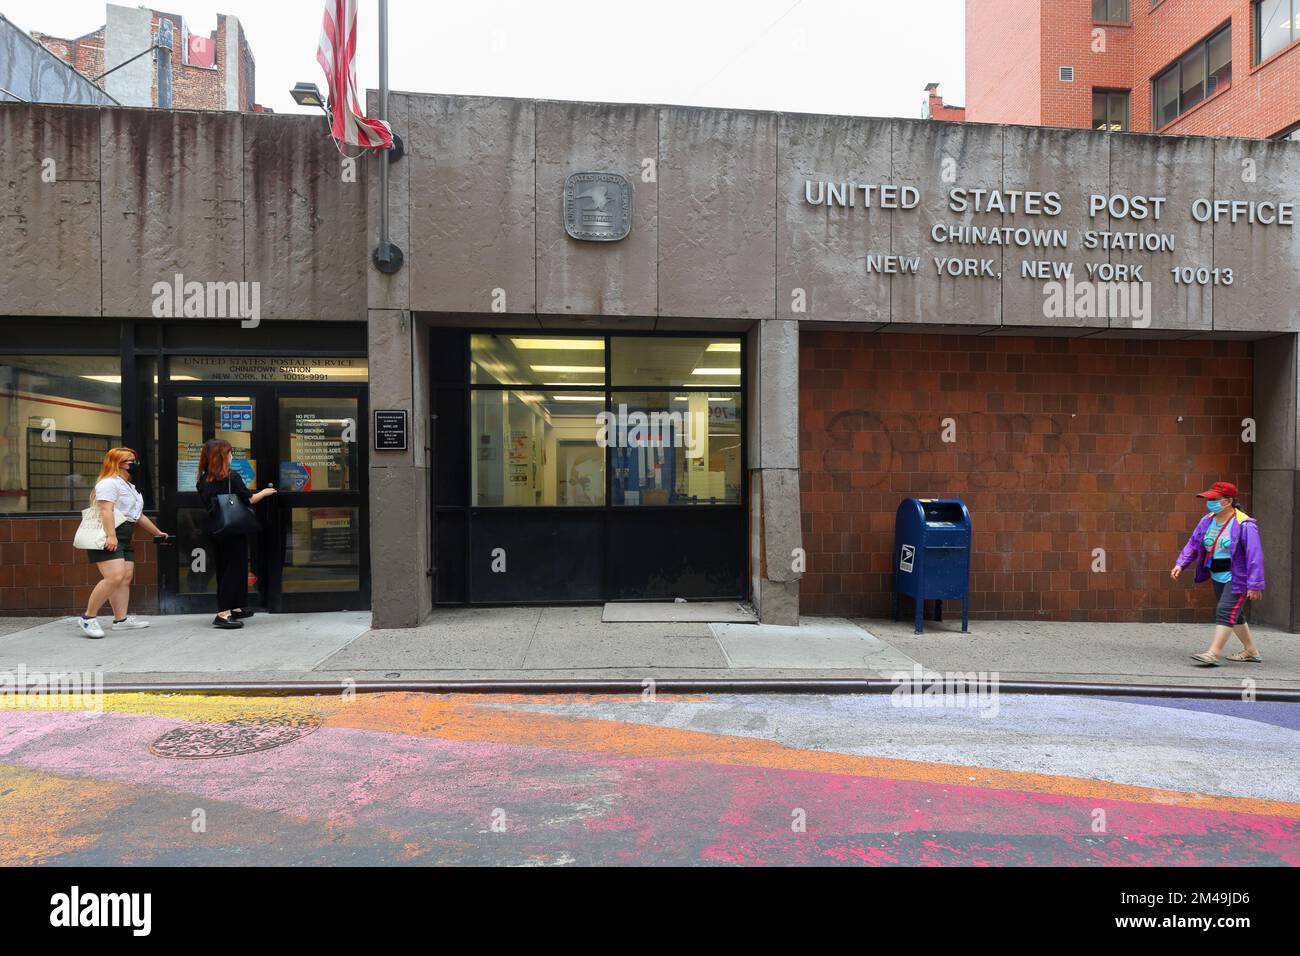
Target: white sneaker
129, 623
90, 627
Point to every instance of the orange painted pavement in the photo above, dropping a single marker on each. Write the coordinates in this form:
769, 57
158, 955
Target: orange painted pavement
478, 718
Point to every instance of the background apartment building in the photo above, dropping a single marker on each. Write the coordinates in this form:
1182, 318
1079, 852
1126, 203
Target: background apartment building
1208, 67
144, 57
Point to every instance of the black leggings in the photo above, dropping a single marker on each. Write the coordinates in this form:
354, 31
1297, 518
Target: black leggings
232, 571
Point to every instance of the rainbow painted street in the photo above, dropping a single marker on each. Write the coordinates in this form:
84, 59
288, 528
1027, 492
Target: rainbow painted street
399, 778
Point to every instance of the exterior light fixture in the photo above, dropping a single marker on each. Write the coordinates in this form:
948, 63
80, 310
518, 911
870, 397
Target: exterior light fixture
307, 94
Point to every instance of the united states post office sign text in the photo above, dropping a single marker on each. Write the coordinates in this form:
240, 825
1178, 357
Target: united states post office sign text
1119, 222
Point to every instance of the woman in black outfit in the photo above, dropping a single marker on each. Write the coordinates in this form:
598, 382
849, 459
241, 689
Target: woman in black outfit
216, 477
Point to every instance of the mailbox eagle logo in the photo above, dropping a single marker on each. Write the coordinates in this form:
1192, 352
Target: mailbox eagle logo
906, 557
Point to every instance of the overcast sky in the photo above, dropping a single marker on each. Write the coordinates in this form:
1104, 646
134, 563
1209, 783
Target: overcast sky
861, 57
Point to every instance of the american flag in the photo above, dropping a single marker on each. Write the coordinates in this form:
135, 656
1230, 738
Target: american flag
337, 56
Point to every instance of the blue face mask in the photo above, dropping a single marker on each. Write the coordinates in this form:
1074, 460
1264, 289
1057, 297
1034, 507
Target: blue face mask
1215, 505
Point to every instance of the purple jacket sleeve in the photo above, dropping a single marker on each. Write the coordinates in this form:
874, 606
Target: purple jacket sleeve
1254, 556
1192, 546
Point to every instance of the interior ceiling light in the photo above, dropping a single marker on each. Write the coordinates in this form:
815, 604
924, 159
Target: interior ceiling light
561, 345
724, 347
585, 369
716, 371
577, 398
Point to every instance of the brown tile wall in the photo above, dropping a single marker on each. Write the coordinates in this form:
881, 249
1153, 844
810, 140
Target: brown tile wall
42, 573
1063, 446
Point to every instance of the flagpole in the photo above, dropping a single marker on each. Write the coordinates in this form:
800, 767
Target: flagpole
388, 258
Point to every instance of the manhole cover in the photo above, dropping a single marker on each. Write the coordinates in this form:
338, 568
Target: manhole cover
241, 735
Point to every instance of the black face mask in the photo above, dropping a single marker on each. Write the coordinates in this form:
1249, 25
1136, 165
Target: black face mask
133, 470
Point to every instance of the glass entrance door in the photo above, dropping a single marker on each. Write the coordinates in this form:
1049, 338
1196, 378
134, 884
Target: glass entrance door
191, 416
321, 554
306, 440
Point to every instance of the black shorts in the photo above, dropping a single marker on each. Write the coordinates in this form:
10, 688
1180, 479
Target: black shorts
1232, 608
124, 549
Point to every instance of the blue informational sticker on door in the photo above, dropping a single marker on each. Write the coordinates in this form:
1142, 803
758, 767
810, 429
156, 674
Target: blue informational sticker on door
294, 476
235, 418
246, 469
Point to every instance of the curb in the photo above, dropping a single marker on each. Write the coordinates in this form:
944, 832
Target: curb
694, 686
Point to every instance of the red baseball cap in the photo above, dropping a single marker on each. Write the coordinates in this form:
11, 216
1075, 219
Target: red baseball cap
1220, 489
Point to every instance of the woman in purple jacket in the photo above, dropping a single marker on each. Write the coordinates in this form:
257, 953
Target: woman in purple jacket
1225, 548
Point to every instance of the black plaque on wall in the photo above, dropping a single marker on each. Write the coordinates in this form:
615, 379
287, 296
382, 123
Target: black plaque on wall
390, 429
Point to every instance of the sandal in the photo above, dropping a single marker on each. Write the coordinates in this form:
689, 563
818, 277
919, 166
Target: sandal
1244, 658
1207, 660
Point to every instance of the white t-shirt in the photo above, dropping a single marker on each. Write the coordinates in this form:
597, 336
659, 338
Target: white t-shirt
123, 495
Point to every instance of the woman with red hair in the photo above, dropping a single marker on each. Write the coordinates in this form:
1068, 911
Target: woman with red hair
115, 491
216, 477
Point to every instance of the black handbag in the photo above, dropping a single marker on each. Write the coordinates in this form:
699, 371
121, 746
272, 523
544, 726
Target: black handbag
230, 514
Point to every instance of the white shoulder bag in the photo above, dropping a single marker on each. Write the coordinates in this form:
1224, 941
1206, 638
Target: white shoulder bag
90, 534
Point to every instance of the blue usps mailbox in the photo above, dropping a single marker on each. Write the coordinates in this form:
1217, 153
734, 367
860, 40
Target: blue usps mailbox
932, 555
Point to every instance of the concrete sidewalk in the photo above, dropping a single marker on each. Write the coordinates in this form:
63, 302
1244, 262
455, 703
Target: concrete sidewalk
574, 643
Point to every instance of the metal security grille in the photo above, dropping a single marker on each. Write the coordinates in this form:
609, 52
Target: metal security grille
62, 472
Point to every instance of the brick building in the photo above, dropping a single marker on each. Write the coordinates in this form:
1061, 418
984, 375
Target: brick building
184, 70
1208, 67
937, 109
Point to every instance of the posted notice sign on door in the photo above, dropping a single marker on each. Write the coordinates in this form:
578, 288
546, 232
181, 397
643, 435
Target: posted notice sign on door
390, 429
235, 418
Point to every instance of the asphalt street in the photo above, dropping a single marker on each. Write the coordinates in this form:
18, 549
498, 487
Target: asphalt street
398, 778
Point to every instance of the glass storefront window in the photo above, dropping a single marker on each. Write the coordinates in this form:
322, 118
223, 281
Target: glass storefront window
536, 360
537, 448
318, 444
676, 448
58, 415
659, 361
667, 427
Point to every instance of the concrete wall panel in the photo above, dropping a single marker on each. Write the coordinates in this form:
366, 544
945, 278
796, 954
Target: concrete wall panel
1274, 508
822, 249
1265, 259
473, 215
717, 215
397, 562
305, 225
49, 230
391, 355
173, 196
935, 157
1180, 170
1074, 163
1277, 402
596, 278
777, 393
389, 291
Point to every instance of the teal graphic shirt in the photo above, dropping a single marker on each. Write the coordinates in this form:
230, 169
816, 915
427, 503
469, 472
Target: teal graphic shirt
1224, 549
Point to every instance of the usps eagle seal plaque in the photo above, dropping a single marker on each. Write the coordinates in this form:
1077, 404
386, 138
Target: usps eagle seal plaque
597, 206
